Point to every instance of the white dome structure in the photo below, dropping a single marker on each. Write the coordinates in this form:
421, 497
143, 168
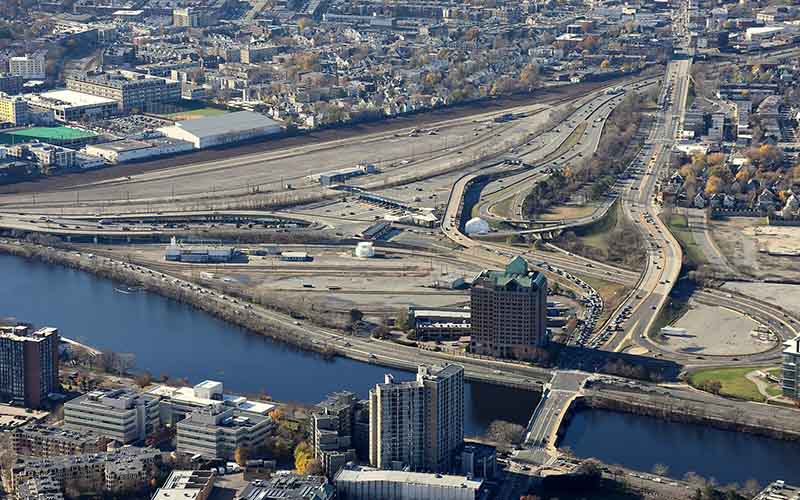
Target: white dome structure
476, 225
365, 249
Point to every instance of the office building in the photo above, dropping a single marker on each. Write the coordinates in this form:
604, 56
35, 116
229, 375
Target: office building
46, 441
11, 84
363, 483
192, 17
28, 365
123, 415
419, 423
790, 374
29, 66
289, 486
133, 92
333, 431
186, 485
509, 311
178, 402
217, 432
126, 468
13, 110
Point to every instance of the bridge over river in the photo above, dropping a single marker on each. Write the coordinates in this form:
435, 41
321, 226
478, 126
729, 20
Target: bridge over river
557, 396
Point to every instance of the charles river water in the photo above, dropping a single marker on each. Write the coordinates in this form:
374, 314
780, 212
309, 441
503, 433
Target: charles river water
170, 338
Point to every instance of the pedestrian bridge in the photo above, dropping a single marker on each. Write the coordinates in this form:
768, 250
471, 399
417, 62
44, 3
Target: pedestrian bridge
557, 396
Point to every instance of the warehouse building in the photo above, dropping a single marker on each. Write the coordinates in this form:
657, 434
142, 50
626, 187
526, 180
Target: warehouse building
224, 129
126, 150
199, 253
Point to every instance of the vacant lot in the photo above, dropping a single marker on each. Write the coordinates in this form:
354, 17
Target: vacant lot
715, 330
745, 242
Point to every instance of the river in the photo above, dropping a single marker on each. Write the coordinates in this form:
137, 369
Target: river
640, 442
171, 338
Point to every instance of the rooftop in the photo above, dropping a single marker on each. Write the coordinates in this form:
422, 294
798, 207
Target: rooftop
57, 133
228, 122
66, 97
515, 274
367, 474
25, 333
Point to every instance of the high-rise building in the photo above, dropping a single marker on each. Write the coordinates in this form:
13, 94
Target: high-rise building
418, 423
28, 364
509, 311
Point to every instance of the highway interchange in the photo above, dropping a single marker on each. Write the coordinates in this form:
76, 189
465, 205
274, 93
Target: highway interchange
576, 136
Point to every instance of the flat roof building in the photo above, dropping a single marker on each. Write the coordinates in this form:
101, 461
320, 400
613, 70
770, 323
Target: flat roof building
790, 369
132, 91
186, 485
217, 431
364, 483
289, 486
41, 488
123, 415
69, 105
178, 402
223, 129
28, 364
47, 441
418, 424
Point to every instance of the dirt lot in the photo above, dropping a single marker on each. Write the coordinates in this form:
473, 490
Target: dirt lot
744, 241
716, 330
786, 296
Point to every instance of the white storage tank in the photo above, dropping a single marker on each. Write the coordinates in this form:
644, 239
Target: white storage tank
476, 225
365, 249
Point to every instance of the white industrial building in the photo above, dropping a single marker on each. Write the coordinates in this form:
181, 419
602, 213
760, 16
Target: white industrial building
198, 253
365, 249
476, 225
126, 150
178, 402
363, 483
222, 129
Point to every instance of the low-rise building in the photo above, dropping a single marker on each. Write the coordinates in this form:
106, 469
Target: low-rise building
198, 253
333, 431
217, 432
178, 402
289, 486
42, 488
125, 150
186, 485
364, 483
223, 129
13, 110
123, 415
47, 156
47, 441
68, 105
126, 468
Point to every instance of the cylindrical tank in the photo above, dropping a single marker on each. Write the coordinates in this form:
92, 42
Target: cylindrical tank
365, 249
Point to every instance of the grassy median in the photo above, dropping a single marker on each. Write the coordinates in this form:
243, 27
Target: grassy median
679, 226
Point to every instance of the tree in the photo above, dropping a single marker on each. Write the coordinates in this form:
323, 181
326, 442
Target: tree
605, 64
303, 23
660, 469
714, 185
303, 457
240, 456
144, 379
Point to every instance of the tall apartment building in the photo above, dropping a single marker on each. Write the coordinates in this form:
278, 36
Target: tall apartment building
123, 415
133, 91
28, 364
333, 431
46, 441
509, 311
419, 423
29, 66
13, 110
189, 17
790, 372
217, 432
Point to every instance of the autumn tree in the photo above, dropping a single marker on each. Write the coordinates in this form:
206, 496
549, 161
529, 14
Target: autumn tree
303, 457
240, 456
714, 185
